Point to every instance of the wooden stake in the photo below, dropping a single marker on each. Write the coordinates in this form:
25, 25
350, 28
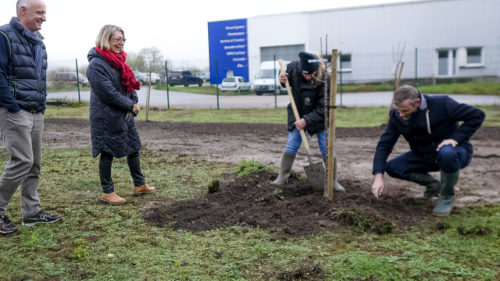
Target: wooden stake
331, 122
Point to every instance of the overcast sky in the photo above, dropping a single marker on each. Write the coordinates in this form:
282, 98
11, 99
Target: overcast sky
178, 29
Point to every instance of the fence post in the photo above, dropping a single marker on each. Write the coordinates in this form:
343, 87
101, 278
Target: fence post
166, 81
340, 76
217, 81
78, 81
416, 66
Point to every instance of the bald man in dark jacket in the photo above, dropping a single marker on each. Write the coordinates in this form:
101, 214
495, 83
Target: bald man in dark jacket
23, 66
430, 124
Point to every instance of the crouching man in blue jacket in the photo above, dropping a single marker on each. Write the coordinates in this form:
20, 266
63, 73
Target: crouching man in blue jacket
437, 143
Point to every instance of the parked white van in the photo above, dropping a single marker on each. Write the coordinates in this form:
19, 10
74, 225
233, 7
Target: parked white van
265, 79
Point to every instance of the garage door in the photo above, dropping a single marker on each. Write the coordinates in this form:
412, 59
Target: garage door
289, 52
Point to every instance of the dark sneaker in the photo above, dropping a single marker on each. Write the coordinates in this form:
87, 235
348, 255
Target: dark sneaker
6, 226
41, 217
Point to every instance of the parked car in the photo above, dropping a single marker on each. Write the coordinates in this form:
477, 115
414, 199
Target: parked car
185, 78
155, 78
203, 75
141, 77
71, 77
144, 77
235, 83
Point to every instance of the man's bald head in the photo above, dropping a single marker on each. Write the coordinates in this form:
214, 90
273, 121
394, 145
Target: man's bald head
31, 14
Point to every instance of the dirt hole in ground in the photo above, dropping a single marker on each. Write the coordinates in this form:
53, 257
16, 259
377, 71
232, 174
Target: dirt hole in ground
291, 210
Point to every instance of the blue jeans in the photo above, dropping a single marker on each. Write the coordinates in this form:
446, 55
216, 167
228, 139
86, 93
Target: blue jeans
294, 141
449, 159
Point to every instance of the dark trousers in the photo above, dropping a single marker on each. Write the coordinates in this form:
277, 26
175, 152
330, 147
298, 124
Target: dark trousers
449, 159
105, 163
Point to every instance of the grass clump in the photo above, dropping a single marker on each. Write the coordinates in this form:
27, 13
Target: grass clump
80, 251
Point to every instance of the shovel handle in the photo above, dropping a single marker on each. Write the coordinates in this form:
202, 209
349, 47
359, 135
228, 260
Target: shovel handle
295, 111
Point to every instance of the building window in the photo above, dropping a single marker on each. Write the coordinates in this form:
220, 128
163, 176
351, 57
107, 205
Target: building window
474, 56
345, 64
470, 57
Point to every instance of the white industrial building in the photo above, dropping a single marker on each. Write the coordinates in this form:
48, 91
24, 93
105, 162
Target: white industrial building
436, 39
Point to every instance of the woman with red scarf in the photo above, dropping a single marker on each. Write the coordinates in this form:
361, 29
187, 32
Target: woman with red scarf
113, 106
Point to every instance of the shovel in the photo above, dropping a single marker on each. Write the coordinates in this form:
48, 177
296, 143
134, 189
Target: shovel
315, 172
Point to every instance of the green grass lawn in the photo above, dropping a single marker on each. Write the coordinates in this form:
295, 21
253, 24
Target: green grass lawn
466, 88
345, 117
469, 88
100, 242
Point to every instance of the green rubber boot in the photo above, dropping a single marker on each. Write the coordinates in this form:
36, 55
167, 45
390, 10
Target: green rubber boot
445, 203
432, 185
336, 186
285, 168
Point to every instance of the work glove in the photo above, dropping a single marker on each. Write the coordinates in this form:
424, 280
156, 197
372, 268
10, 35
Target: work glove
134, 112
135, 109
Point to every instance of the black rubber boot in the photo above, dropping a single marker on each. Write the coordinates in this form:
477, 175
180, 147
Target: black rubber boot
285, 168
445, 203
336, 186
432, 185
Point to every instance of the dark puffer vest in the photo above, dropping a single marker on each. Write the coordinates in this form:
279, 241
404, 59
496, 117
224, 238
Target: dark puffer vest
29, 88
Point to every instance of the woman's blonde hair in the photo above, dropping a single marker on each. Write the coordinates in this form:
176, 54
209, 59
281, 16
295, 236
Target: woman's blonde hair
102, 40
318, 75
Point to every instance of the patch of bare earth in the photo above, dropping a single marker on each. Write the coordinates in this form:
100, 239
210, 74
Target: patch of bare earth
233, 142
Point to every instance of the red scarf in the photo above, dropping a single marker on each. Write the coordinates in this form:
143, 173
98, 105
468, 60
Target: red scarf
119, 62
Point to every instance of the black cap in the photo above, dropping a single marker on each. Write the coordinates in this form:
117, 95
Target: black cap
308, 62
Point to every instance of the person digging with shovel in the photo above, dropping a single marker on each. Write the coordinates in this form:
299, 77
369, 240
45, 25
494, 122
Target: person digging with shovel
430, 124
307, 78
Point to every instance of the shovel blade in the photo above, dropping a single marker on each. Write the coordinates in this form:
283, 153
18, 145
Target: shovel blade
316, 176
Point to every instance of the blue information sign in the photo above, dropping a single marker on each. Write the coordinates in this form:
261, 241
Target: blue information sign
228, 43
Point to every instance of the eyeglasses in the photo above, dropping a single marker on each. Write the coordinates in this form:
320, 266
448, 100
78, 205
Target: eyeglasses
119, 39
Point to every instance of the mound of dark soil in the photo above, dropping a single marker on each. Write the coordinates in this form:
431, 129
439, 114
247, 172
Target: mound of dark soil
292, 210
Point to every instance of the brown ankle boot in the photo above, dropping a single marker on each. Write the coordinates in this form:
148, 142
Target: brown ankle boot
141, 189
112, 198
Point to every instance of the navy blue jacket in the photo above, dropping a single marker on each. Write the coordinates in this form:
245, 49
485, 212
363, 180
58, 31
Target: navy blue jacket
22, 78
110, 131
444, 115
309, 98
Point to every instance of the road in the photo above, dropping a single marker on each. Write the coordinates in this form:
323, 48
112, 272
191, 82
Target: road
187, 100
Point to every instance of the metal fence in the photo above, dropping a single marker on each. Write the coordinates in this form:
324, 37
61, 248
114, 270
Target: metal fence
369, 71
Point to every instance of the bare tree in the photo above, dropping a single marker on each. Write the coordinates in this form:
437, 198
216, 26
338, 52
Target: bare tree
154, 62
153, 59
136, 61
397, 58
